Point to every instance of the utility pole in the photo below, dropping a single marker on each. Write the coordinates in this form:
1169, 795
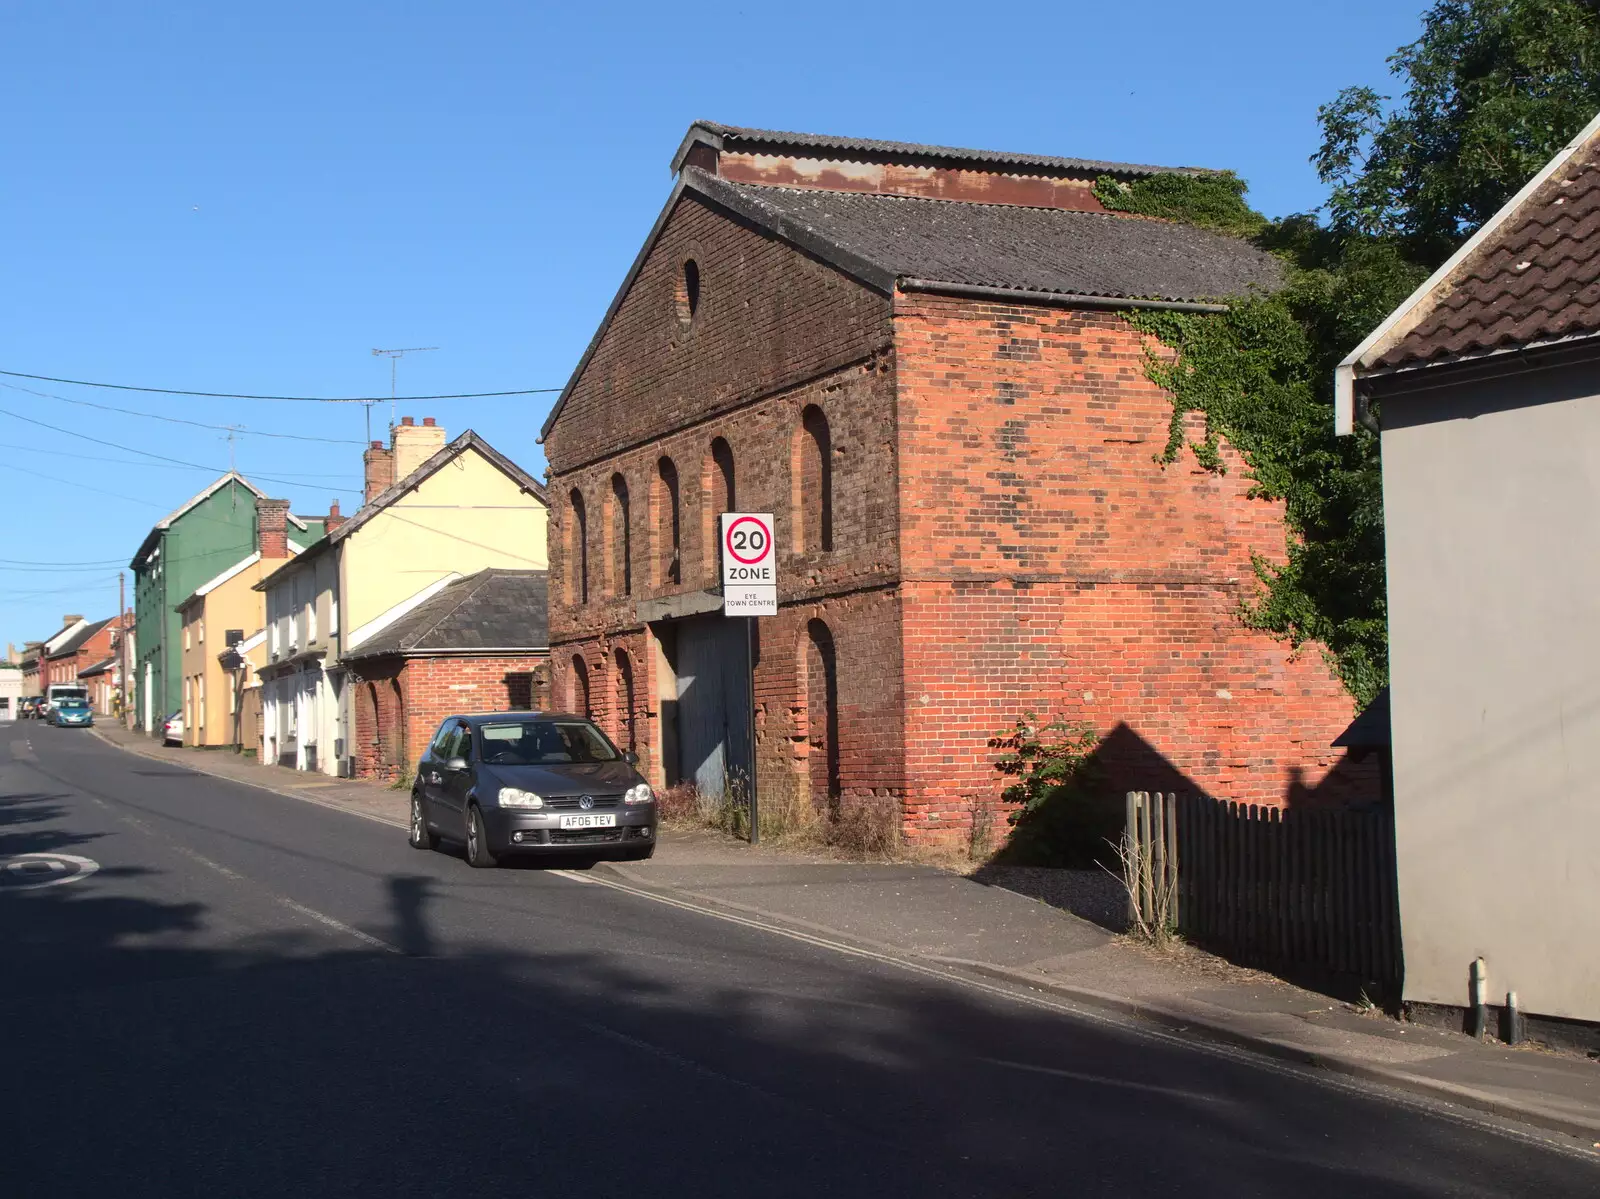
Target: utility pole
394, 357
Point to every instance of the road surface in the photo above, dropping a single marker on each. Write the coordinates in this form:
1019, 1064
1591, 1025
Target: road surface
253, 995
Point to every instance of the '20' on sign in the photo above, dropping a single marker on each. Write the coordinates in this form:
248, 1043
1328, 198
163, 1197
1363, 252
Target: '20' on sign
749, 565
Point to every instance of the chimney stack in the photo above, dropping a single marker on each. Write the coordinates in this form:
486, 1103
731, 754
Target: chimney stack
335, 518
380, 470
71, 619
272, 527
414, 444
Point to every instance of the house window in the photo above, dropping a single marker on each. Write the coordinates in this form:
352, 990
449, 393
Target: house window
200, 631
813, 483
669, 529
311, 620
578, 545
187, 630
621, 537
200, 702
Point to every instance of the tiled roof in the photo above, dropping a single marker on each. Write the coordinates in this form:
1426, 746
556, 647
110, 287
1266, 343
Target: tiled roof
74, 643
1047, 250
951, 154
1536, 279
491, 610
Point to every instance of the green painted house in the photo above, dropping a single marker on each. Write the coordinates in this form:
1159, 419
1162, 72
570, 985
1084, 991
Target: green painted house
183, 552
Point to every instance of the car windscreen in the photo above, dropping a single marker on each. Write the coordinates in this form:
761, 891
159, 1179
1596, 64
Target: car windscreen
71, 705
544, 743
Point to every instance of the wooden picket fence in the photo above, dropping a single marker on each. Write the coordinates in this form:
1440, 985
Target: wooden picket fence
1307, 890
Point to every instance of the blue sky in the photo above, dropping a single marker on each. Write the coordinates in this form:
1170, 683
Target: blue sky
249, 198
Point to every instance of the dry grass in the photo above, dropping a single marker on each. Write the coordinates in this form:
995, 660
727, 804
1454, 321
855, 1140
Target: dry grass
1152, 897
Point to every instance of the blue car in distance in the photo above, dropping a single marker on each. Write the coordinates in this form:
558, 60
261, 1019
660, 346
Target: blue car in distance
75, 712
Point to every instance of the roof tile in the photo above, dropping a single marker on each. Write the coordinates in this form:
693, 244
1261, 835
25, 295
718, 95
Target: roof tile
1537, 280
1048, 250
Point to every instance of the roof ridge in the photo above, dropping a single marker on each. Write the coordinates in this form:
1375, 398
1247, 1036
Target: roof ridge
476, 580
717, 129
866, 195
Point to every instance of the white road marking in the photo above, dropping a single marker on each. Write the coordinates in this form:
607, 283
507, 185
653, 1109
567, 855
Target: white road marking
61, 867
282, 900
1101, 1080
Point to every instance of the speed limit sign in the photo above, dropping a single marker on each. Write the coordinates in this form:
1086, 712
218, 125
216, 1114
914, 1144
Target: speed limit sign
749, 565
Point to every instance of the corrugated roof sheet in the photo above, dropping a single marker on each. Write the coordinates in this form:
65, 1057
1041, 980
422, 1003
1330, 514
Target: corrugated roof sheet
1535, 280
953, 154
1002, 245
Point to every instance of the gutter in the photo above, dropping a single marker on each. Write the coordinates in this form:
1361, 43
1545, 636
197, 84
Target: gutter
487, 651
1055, 298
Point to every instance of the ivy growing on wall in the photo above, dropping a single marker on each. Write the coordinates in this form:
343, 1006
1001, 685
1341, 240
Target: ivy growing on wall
1260, 375
1490, 91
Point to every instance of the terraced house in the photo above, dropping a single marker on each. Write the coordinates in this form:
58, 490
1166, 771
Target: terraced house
434, 513
189, 546
916, 357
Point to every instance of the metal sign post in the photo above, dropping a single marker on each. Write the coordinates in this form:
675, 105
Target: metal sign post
750, 590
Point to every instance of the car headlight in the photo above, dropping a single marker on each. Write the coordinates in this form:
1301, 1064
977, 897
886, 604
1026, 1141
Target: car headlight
512, 797
639, 794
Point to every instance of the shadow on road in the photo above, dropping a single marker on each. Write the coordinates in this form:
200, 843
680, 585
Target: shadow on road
164, 1049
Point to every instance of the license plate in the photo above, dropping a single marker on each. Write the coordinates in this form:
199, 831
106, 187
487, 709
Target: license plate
595, 821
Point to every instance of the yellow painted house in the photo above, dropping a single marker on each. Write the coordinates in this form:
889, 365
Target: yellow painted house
226, 612
224, 615
435, 512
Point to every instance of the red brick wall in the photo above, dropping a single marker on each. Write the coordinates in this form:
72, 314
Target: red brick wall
769, 317
1003, 539
398, 704
1051, 564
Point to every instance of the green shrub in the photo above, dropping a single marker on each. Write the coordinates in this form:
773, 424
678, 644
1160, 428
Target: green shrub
1060, 815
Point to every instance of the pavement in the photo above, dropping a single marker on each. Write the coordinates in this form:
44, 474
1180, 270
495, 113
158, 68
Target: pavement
940, 921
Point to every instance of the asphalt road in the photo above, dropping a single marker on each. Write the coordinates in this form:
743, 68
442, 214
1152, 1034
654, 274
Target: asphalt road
254, 995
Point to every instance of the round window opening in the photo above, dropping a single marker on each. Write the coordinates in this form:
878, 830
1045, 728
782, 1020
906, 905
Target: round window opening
688, 297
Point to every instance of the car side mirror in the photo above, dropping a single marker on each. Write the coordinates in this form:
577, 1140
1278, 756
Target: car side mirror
631, 758
456, 765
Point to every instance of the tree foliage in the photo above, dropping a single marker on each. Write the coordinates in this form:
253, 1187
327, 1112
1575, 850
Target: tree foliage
1493, 89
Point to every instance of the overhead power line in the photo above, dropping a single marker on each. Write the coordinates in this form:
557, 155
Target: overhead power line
33, 449
234, 395
80, 562
158, 457
178, 420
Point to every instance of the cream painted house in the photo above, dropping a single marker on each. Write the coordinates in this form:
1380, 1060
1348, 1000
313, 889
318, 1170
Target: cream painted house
435, 512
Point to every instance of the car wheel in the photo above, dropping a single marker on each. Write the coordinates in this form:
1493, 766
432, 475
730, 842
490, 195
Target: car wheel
422, 837
478, 854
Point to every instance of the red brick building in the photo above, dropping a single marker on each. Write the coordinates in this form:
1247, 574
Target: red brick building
916, 358
84, 648
479, 645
